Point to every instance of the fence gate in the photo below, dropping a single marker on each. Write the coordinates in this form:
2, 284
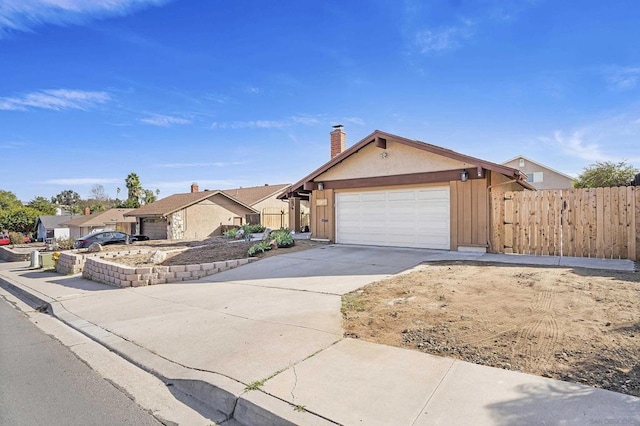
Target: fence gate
592, 222
274, 217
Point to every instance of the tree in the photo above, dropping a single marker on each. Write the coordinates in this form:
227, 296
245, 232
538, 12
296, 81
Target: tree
67, 198
134, 190
149, 196
605, 174
20, 219
43, 205
8, 200
98, 194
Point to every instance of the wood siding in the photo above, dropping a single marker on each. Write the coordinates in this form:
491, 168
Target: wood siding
469, 213
323, 214
593, 222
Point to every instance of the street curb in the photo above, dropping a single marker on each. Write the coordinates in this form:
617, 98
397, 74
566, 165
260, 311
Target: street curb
40, 303
226, 396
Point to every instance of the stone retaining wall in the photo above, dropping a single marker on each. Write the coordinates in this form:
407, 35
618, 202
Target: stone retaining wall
73, 263
120, 275
9, 255
97, 267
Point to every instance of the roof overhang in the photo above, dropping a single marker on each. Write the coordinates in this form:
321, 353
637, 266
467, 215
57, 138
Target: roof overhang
306, 185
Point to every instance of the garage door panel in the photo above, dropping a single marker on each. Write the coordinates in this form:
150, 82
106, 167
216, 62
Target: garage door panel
417, 217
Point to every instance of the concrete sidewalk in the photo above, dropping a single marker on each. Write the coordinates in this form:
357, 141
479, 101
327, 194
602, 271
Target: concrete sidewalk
274, 327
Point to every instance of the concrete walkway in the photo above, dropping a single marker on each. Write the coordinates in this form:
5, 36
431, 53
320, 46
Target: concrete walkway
274, 327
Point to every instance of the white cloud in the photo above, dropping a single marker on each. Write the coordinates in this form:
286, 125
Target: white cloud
185, 185
305, 120
23, 15
435, 40
80, 181
611, 138
575, 144
623, 78
253, 90
55, 99
164, 120
355, 120
187, 165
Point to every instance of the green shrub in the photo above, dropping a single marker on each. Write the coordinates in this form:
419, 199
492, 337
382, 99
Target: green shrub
64, 243
231, 233
283, 238
16, 238
254, 228
260, 247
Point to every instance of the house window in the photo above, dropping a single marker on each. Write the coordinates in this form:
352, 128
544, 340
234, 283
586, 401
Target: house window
521, 164
535, 177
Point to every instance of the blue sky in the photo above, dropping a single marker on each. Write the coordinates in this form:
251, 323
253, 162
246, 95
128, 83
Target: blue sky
242, 92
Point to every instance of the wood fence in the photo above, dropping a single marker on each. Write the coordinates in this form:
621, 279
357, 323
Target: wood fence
594, 222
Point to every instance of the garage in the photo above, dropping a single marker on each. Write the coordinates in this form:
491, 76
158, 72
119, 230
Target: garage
407, 217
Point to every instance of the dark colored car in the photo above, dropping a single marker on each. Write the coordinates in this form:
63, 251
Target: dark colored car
103, 238
138, 237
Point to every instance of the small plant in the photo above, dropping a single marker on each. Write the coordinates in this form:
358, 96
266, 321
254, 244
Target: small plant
231, 233
351, 302
253, 228
283, 238
255, 385
64, 243
16, 238
300, 408
55, 257
260, 247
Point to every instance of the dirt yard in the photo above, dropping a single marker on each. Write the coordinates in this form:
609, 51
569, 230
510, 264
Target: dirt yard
205, 251
576, 325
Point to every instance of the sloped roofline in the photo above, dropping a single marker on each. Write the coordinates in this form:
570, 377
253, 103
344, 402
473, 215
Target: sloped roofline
424, 146
205, 195
539, 164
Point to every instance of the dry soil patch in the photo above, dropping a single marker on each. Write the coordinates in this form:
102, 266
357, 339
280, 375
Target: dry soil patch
577, 325
204, 251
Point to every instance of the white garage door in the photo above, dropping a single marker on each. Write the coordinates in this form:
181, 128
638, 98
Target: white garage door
417, 217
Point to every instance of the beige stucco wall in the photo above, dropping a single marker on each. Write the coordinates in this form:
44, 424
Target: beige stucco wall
205, 218
400, 159
550, 180
271, 202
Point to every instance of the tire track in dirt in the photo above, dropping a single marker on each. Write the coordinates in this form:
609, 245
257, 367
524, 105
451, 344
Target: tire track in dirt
539, 336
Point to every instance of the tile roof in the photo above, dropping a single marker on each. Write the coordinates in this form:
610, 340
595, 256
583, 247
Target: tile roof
102, 218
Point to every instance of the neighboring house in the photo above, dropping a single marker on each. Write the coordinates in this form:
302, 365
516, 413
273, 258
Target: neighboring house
387, 190
539, 175
109, 220
51, 227
191, 215
274, 212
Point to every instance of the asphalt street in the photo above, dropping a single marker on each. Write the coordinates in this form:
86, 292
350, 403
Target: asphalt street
43, 383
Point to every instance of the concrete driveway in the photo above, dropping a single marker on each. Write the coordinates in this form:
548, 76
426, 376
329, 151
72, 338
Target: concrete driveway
246, 323
332, 269
276, 324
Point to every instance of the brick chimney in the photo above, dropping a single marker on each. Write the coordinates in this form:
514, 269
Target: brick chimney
194, 187
338, 140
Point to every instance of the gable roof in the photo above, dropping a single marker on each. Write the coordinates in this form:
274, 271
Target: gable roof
173, 203
101, 218
378, 134
52, 222
539, 164
255, 194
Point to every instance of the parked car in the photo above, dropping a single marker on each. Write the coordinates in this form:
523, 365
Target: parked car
138, 237
5, 241
103, 238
